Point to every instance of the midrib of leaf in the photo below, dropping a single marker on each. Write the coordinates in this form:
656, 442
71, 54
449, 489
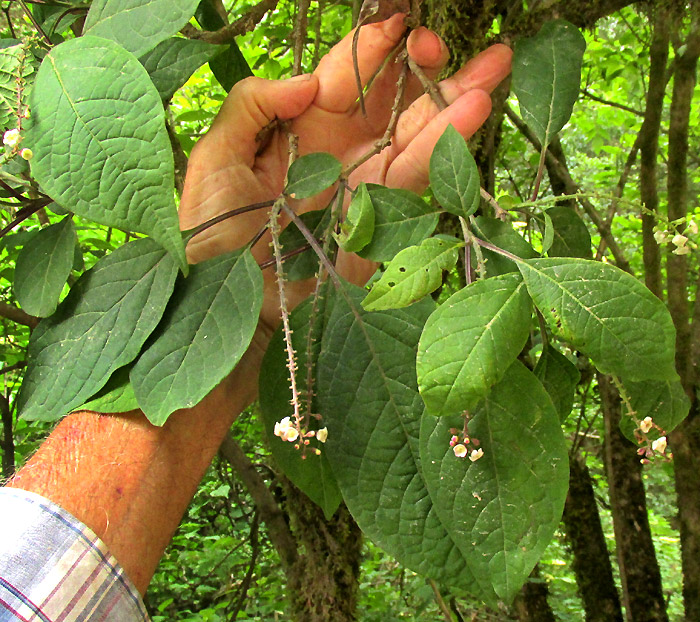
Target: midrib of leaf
551, 100
487, 330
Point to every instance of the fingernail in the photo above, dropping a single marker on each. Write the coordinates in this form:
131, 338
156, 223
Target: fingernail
304, 77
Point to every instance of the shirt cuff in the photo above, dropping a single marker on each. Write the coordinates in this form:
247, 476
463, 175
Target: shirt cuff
53, 568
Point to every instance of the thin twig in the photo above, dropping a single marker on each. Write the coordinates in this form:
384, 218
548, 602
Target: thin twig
228, 33
429, 85
25, 213
500, 213
225, 216
11, 368
471, 240
271, 262
36, 24
300, 28
444, 609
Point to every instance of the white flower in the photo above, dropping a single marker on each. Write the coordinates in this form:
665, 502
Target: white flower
693, 227
476, 454
679, 240
286, 430
646, 424
659, 444
322, 435
26, 154
11, 138
661, 237
460, 451
681, 250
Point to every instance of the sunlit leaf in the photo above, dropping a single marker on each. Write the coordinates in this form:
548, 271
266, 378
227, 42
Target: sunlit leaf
358, 227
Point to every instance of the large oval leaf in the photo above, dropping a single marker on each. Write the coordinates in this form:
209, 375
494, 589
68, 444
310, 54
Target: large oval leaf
454, 177
99, 327
606, 313
369, 399
502, 510
547, 77
401, 219
137, 25
43, 266
309, 472
119, 173
470, 341
206, 329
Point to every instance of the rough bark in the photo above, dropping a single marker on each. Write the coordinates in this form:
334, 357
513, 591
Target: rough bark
8, 439
322, 585
531, 604
642, 591
584, 532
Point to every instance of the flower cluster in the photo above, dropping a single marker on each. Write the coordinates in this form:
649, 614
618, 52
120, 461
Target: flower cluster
289, 431
11, 139
460, 449
648, 448
683, 245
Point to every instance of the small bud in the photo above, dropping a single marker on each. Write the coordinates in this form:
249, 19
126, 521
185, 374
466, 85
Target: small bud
646, 425
11, 138
659, 444
476, 454
26, 154
460, 451
322, 435
317, 451
454, 440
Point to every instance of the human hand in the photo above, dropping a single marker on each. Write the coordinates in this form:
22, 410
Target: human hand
226, 171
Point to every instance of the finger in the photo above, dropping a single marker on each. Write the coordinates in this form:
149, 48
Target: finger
337, 90
251, 105
484, 72
409, 169
428, 51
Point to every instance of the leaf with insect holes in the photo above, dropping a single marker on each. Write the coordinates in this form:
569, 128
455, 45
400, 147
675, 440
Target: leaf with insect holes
118, 174
606, 314
137, 25
547, 77
311, 174
454, 177
311, 473
413, 273
206, 329
98, 328
369, 400
470, 341
503, 509
401, 219
358, 227
43, 266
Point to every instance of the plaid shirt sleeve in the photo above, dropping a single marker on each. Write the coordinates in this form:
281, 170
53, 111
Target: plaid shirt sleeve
54, 569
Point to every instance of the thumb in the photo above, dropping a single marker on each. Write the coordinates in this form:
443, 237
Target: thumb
250, 106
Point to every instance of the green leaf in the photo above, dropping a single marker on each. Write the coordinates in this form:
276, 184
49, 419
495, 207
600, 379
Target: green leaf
171, 63
571, 236
99, 327
205, 330
117, 174
470, 341
548, 233
454, 177
230, 66
559, 376
14, 60
312, 174
43, 266
305, 264
503, 235
503, 509
547, 77
664, 401
401, 218
311, 473
369, 400
358, 227
137, 25
606, 314
117, 396
413, 273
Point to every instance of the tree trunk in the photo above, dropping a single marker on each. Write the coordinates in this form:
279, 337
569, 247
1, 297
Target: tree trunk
8, 439
531, 604
584, 532
322, 584
642, 591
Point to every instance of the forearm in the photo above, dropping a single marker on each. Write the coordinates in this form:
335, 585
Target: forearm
130, 481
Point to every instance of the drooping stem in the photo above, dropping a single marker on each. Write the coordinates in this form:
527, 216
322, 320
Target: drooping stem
225, 216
